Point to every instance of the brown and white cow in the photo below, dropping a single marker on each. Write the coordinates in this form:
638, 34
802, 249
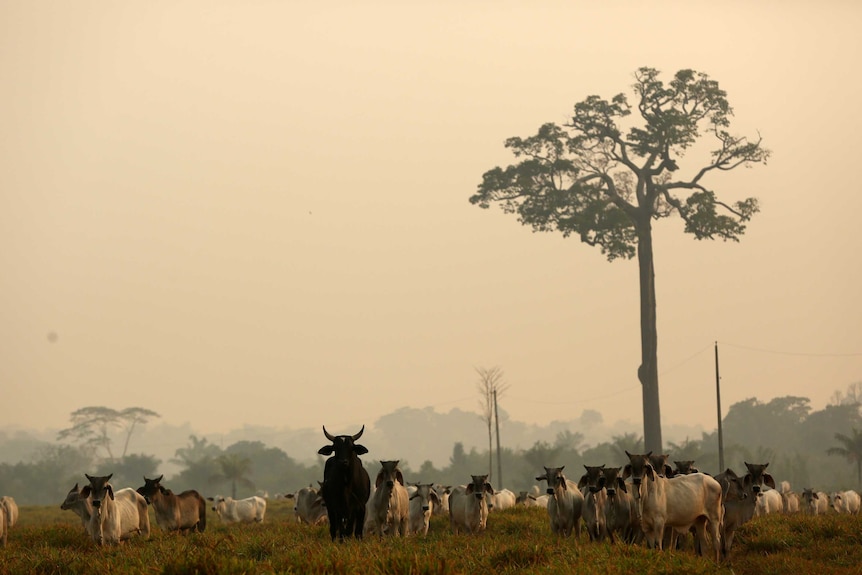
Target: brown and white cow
184, 512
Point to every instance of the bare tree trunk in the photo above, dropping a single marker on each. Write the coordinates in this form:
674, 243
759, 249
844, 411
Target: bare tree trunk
648, 370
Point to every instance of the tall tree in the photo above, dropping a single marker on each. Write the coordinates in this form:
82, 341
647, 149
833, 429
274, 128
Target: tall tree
234, 468
607, 183
91, 426
851, 449
490, 384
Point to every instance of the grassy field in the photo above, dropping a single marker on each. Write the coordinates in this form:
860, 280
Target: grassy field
48, 540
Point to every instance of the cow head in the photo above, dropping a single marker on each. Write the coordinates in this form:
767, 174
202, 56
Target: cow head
660, 465
344, 447
479, 486
426, 495
759, 477
685, 467
151, 487
388, 475
639, 468
98, 489
612, 481
554, 476
71, 498
590, 479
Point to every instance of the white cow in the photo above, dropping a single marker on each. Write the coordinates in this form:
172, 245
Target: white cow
595, 499
846, 502
768, 501
443, 492
423, 500
388, 509
468, 510
678, 503
248, 510
308, 506
79, 505
565, 502
116, 516
11, 507
504, 499
815, 502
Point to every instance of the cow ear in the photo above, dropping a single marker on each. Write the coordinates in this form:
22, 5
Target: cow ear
622, 484
489, 489
582, 481
433, 496
746, 481
627, 471
600, 483
542, 478
470, 489
326, 450
668, 471
767, 479
85, 492
110, 491
649, 471
378, 480
399, 476
359, 449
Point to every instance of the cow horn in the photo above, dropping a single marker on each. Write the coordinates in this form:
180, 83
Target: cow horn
328, 435
358, 435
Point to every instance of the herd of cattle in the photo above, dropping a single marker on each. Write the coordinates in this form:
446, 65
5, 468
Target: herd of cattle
644, 501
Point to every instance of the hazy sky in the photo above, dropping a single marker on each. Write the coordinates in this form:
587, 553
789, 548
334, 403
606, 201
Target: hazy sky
257, 212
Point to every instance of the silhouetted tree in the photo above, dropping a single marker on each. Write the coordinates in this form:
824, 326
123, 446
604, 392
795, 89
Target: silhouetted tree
607, 185
490, 383
91, 426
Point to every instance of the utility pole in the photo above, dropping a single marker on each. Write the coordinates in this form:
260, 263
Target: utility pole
499, 458
718, 404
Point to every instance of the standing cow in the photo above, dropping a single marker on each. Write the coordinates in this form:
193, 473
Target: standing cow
184, 512
115, 516
388, 509
468, 507
346, 485
565, 502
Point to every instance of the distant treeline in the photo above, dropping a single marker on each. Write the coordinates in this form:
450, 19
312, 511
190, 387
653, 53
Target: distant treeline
785, 432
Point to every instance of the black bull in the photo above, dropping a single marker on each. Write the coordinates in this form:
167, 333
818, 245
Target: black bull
346, 485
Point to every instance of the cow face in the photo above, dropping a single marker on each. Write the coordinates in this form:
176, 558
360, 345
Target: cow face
759, 477
612, 481
71, 498
660, 465
685, 467
343, 446
479, 486
388, 475
639, 468
98, 489
426, 495
150, 488
591, 478
555, 478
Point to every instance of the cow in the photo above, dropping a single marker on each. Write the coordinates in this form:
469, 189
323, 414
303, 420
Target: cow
80, 506
685, 468
565, 502
388, 509
814, 502
423, 500
504, 499
676, 502
249, 510
116, 516
11, 508
659, 464
768, 501
468, 508
621, 516
789, 499
846, 502
759, 477
308, 506
346, 485
184, 512
739, 504
443, 492
595, 498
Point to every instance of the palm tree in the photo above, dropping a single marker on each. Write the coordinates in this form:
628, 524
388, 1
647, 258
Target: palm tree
851, 449
234, 468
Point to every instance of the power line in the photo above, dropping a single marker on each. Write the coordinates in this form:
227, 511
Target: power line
798, 353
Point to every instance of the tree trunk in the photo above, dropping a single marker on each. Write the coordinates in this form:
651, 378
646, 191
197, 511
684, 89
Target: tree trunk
648, 370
